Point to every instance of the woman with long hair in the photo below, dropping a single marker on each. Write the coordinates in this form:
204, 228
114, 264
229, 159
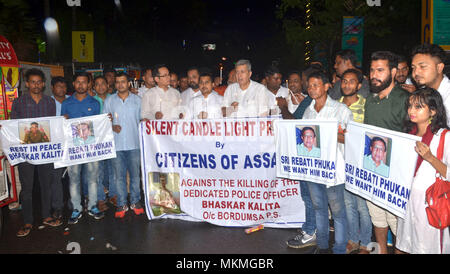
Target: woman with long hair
426, 118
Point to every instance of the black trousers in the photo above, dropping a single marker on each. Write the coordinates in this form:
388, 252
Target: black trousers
26, 175
57, 189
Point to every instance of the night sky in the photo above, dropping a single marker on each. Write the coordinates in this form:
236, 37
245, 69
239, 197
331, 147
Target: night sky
149, 32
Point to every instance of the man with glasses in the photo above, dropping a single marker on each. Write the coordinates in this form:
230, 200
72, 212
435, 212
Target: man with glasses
162, 101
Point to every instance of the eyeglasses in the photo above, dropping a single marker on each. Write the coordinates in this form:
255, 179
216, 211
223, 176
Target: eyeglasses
161, 76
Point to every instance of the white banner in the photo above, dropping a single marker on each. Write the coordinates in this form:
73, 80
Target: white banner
87, 139
380, 165
4, 190
34, 140
306, 150
221, 171
57, 140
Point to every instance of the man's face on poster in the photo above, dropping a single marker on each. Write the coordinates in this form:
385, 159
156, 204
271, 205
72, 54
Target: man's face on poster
34, 128
378, 152
84, 131
309, 138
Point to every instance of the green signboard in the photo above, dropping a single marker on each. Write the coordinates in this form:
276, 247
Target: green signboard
353, 36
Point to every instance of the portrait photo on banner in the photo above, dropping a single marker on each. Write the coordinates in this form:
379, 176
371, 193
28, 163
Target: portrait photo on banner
34, 132
83, 133
164, 193
377, 154
308, 140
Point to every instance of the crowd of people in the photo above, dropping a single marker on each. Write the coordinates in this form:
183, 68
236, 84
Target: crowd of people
396, 95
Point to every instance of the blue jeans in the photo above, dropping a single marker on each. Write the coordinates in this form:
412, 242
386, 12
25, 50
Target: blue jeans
105, 179
359, 222
89, 172
321, 196
310, 223
127, 160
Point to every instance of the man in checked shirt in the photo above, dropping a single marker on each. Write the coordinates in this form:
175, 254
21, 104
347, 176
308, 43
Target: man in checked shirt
33, 104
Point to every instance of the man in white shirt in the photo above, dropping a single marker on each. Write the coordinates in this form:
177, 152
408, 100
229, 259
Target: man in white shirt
246, 98
149, 82
428, 69
273, 79
193, 90
162, 101
323, 107
206, 105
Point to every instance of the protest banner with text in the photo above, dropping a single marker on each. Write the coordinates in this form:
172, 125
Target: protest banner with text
220, 171
379, 165
34, 140
57, 140
306, 150
87, 139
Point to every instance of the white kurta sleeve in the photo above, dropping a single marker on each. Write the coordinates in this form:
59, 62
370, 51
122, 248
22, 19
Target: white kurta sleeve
147, 109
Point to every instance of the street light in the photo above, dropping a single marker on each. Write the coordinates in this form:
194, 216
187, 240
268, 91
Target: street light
52, 31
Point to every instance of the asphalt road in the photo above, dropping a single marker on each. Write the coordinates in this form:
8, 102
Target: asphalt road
138, 235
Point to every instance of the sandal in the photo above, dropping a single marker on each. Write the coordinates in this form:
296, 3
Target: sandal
52, 222
24, 231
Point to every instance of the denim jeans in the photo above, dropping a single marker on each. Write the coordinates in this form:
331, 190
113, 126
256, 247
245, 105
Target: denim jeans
127, 160
310, 223
358, 217
89, 172
105, 179
321, 196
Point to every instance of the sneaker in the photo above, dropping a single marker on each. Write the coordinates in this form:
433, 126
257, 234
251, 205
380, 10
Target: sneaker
102, 206
302, 240
96, 213
113, 200
120, 211
76, 215
137, 208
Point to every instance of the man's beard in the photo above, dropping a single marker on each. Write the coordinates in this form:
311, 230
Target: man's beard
401, 82
384, 84
348, 95
193, 85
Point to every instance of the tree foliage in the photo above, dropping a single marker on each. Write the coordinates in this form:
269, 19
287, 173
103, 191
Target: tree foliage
326, 20
19, 27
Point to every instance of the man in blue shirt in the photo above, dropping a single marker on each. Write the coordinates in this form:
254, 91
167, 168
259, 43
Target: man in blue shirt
81, 104
124, 108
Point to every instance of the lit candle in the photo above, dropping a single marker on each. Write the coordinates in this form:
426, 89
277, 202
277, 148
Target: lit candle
116, 118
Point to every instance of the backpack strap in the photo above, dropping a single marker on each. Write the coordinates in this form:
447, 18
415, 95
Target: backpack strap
440, 151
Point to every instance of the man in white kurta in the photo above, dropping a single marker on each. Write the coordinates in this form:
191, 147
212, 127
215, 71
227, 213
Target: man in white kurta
246, 98
273, 80
149, 82
207, 104
162, 101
